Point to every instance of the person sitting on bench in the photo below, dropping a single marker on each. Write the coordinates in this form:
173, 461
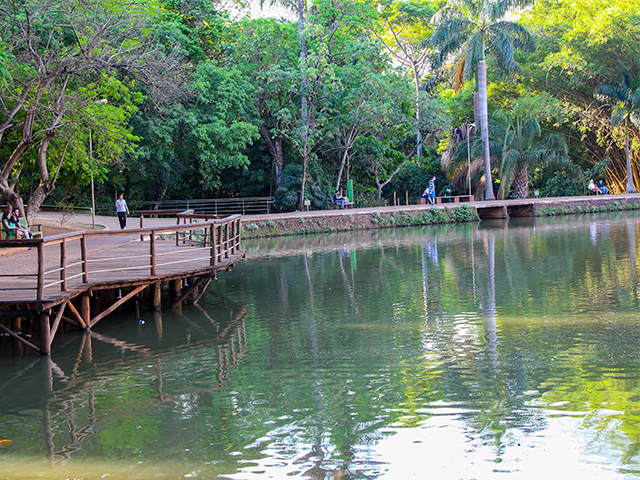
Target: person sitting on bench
594, 188
603, 189
11, 225
339, 200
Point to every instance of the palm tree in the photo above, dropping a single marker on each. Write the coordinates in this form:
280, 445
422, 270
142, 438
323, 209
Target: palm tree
466, 30
626, 108
521, 151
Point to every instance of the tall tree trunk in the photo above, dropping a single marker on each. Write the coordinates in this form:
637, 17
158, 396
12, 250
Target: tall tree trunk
304, 103
521, 183
484, 125
343, 162
275, 150
476, 108
416, 82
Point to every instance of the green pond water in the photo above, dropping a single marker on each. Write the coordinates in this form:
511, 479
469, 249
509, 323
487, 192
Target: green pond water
506, 349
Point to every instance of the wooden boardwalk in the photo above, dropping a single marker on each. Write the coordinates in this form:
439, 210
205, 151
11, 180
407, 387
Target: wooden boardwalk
84, 276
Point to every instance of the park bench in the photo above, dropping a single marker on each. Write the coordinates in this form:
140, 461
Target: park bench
36, 232
347, 204
454, 199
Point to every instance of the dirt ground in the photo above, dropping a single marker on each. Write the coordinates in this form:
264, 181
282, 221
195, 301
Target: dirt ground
55, 228
51, 228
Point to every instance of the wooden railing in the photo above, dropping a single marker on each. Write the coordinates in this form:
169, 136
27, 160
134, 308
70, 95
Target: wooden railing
211, 206
210, 242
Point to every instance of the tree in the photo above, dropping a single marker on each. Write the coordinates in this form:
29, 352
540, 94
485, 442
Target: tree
404, 31
521, 152
63, 57
265, 51
5, 75
365, 93
582, 45
625, 110
387, 146
467, 29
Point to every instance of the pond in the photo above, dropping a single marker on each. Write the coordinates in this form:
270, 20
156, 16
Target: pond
456, 351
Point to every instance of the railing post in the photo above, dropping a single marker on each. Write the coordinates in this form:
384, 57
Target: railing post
219, 240
63, 265
85, 266
212, 235
236, 232
152, 252
40, 288
226, 240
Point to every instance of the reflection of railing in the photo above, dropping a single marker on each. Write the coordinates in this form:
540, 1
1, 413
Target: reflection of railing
227, 338
207, 206
72, 262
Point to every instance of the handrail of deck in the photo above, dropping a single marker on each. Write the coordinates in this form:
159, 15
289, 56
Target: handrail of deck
216, 240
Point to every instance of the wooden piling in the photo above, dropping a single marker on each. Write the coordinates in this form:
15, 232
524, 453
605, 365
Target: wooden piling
45, 333
85, 311
156, 297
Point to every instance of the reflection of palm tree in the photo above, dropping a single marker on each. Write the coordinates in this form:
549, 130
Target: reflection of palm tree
468, 28
632, 244
626, 108
490, 317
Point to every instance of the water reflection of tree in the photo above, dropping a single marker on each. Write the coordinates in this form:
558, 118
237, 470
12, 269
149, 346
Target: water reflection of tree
486, 355
430, 318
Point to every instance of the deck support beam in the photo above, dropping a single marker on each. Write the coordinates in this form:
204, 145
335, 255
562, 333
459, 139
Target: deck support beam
176, 290
187, 291
19, 338
56, 321
109, 310
76, 314
156, 296
176, 287
85, 311
204, 289
45, 333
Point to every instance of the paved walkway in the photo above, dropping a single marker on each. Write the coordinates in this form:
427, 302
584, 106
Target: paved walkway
108, 222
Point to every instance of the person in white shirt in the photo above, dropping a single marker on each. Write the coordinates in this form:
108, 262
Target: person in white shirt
594, 188
122, 209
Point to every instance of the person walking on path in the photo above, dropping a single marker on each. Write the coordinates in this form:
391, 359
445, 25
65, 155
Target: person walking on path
123, 210
431, 191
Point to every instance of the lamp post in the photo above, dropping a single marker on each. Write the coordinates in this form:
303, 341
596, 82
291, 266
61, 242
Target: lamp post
102, 101
93, 194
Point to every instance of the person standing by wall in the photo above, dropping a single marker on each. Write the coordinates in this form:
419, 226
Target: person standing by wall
122, 209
